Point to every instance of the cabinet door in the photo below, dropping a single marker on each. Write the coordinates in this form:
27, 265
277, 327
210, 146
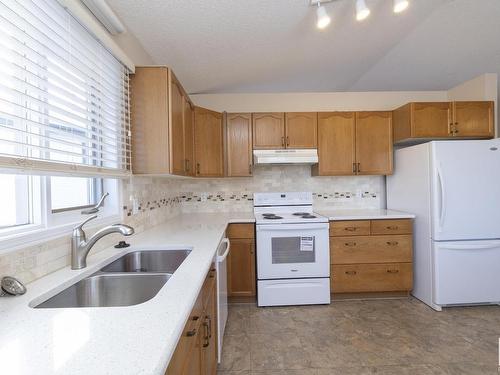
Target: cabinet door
431, 120
374, 143
188, 138
268, 131
241, 268
209, 348
194, 359
336, 144
208, 143
473, 119
239, 144
301, 129
177, 129
150, 120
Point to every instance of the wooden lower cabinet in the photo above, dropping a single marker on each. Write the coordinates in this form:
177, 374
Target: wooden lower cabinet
371, 256
196, 351
241, 261
386, 277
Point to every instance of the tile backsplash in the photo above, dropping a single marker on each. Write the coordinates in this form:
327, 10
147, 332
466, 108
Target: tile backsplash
149, 201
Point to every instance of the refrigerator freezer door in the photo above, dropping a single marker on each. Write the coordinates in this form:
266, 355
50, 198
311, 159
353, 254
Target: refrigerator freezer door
466, 190
466, 272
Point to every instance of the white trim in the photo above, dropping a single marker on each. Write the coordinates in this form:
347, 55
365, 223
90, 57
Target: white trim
42, 235
88, 20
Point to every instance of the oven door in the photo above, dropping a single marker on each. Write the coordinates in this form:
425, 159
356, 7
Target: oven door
292, 251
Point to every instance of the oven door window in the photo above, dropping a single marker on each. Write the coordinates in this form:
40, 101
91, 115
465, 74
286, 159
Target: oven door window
297, 249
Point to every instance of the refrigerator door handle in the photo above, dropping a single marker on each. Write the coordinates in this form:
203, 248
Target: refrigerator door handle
442, 197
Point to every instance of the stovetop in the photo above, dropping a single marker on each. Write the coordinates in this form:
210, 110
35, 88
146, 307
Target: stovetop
290, 217
278, 208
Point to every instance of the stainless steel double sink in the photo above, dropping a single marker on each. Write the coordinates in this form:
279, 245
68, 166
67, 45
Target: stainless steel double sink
132, 279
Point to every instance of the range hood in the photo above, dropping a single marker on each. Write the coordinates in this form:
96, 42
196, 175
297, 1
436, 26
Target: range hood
292, 156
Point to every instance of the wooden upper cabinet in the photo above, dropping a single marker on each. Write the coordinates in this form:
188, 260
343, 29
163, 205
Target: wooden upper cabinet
473, 119
162, 123
374, 153
336, 144
422, 120
239, 144
189, 167
177, 129
301, 129
268, 131
208, 143
417, 122
149, 120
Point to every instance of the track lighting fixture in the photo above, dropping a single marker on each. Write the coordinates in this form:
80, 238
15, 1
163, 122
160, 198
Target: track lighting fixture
323, 17
362, 11
400, 5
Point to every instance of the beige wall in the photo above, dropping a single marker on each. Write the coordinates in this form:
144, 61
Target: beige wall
327, 101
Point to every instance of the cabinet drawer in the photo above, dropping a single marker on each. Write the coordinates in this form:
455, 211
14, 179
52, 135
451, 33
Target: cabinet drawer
371, 249
355, 278
350, 228
399, 226
240, 231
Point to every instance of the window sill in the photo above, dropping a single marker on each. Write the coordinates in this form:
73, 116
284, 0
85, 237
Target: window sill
35, 237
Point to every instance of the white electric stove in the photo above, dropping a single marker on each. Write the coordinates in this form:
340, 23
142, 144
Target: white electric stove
293, 254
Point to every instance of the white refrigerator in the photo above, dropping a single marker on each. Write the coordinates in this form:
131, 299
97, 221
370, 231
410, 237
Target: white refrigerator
453, 187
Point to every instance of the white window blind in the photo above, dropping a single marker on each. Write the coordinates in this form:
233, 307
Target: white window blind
64, 98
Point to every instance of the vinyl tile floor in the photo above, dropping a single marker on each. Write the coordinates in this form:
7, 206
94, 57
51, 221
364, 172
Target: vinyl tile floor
402, 336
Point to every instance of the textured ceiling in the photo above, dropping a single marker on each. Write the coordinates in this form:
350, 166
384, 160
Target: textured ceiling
217, 46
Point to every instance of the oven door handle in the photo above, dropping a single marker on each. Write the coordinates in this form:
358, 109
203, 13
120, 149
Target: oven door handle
291, 227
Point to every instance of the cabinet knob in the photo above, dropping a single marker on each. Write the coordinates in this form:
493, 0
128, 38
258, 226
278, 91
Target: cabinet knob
283, 141
359, 167
392, 243
350, 229
392, 271
350, 272
197, 168
353, 167
287, 141
191, 333
250, 169
392, 227
350, 244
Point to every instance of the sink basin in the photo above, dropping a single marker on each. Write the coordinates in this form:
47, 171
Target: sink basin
148, 261
107, 290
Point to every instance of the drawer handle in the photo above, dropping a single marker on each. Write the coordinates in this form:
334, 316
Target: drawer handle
392, 243
392, 227
350, 272
392, 271
351, 229
191, 333
350, 244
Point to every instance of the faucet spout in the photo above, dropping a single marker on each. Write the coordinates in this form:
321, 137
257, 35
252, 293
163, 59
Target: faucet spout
80, 247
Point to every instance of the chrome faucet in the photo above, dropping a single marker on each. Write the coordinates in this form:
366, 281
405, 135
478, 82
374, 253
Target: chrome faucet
80, 247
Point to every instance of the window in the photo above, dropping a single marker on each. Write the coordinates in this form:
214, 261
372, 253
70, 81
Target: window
63, 96
64, 120
74, 193
15, 193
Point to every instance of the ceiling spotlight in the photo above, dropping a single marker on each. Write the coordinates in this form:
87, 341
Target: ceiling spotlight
323, 17
362, 11
400, 5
